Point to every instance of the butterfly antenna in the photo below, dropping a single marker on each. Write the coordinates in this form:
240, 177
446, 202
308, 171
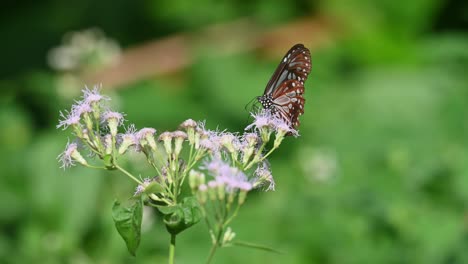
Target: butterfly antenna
250, 104
250, 107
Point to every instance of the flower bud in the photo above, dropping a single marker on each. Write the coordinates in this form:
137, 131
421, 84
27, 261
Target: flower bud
212, 186
113, 119
70, 155
221, 191
227, 141
109, 146
196, 179
243, 189
201, 194
146, 137
228, 236
179, 137
166, 138
265, 133
242, 197
76, 155
189, 125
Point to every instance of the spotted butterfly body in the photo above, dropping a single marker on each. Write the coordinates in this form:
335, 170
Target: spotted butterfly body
283, 95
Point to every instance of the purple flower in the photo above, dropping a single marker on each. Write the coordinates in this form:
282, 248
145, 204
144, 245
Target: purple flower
280, 125
113, 119
92, 96
128, 139
66, 156
230, 141
262, 119
81, 107
250, 138
211, 141
70, 155
231, 177
111, 115
142, 187
264, 178
68, 119
146, 132
266, 119
189, 123
202, 187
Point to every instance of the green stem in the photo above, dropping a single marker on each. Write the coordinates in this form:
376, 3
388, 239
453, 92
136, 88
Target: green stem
232, 216
172, 249
256, 157
94, 167
215, 246
268, 154
212, 252
127, 173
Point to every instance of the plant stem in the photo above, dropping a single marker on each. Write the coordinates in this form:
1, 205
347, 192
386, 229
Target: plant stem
215, 245
127, 173
172, 249
212, 252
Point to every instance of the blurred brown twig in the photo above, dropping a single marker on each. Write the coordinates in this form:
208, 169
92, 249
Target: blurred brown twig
172, 54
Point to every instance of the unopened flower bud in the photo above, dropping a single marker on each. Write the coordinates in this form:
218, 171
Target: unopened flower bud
189, 125
227, 141
70, 155
179, 138
166, 138
201, 194
228, 236
146, 137
113, 119
243, 189
196, 179
109, 146
221, 191
212, 186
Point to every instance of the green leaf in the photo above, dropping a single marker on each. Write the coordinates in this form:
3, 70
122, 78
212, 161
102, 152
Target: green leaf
167, 209
154, 187
184, 216
192, 211
127, 218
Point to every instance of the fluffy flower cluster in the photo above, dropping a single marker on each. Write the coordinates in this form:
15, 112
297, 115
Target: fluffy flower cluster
221, 167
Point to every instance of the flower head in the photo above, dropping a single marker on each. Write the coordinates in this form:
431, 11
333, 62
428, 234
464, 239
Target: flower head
179, 137
70, 155
229, 141
231, 177
189, 125
113, 120
68, 119
146, 137
264, 178
267, 119
166, 138
142, 187
262, 120
81, 108
130, 138
94, 95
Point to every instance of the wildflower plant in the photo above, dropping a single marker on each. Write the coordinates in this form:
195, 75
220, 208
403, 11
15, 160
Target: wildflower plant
220, 168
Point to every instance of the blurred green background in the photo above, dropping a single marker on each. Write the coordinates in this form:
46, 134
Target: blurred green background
379, 174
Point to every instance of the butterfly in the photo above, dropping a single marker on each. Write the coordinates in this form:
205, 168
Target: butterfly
283, 94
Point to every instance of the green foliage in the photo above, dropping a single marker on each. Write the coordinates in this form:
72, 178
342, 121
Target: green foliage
127, 220
182, 216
